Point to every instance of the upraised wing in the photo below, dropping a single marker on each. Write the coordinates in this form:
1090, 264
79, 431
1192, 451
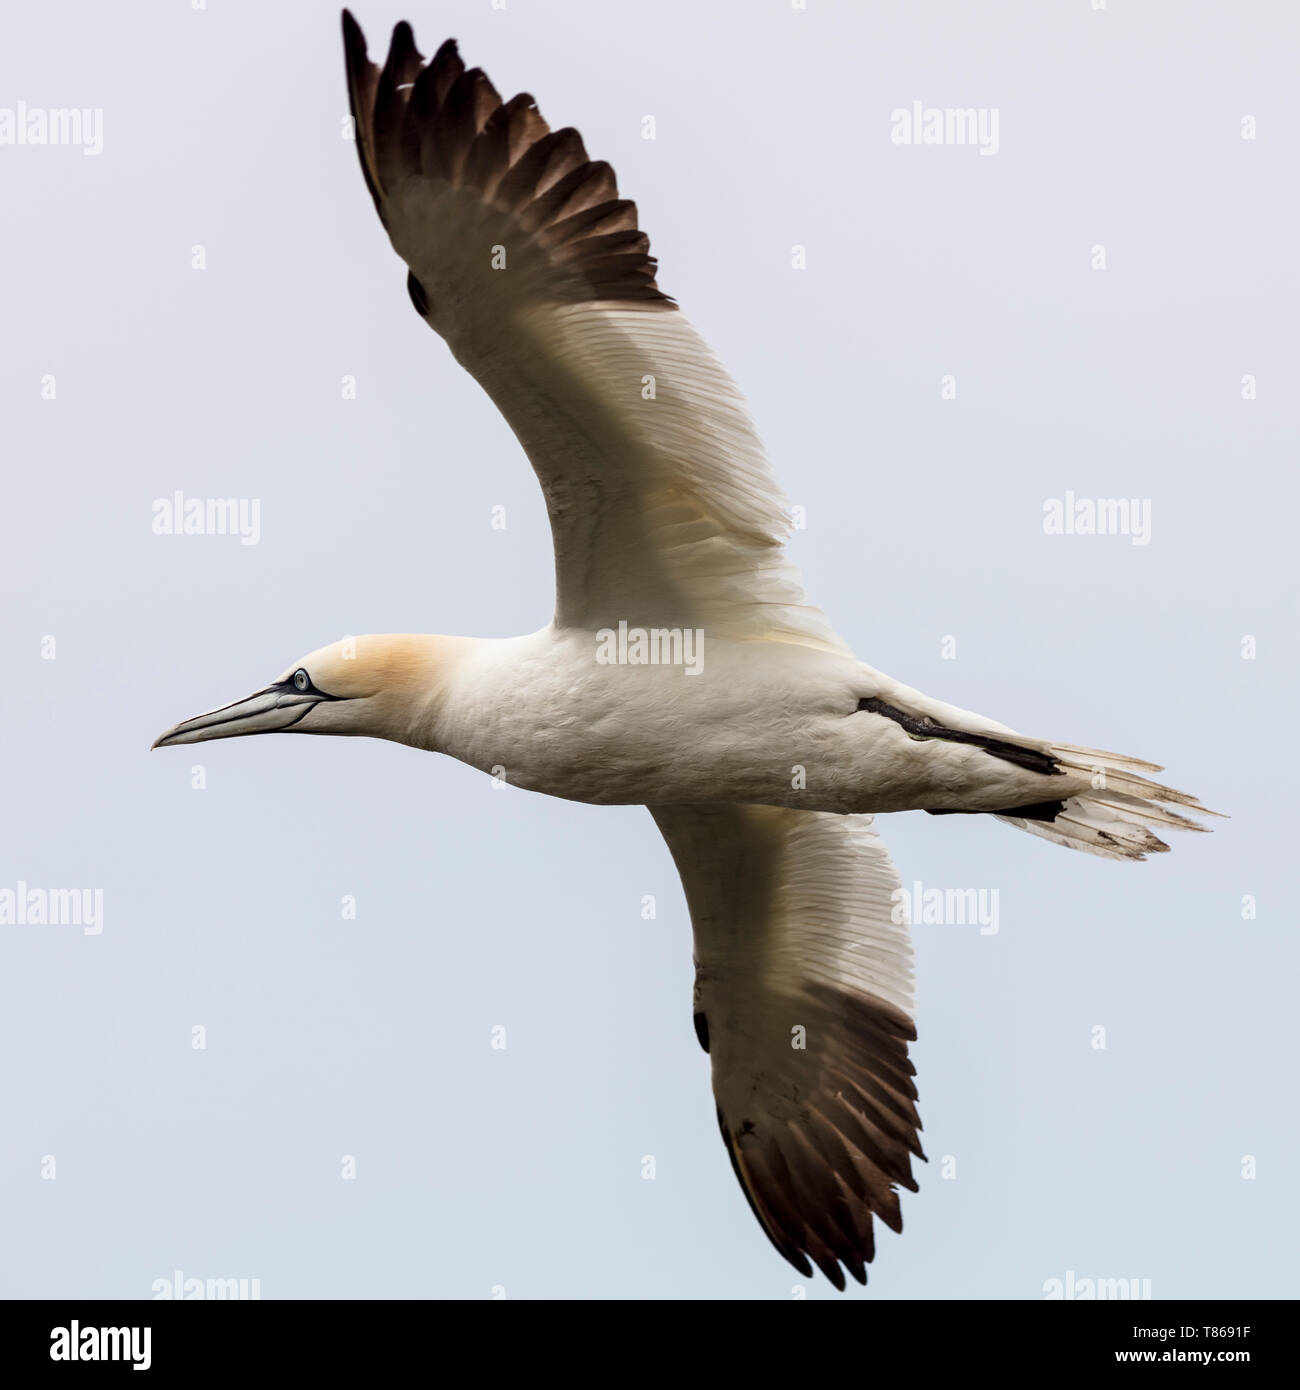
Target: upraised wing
663, 508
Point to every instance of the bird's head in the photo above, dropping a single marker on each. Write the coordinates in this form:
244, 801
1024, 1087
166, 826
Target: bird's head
378, 686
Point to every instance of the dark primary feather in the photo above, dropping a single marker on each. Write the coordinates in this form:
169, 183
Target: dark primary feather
555, 208
820, 1136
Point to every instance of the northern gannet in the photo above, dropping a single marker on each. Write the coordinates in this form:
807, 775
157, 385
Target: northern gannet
684, 669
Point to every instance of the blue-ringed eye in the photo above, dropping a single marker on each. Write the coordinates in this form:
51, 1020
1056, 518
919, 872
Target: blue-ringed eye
301, 680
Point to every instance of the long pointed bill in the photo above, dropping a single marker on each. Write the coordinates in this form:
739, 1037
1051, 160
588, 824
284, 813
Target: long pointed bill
269, 711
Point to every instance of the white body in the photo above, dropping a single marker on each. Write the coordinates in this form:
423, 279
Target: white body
763, 722
756, 758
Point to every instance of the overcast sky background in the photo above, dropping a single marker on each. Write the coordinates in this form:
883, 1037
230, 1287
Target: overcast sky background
522, 1169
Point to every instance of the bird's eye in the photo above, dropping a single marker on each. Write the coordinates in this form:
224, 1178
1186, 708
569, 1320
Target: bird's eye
301, 680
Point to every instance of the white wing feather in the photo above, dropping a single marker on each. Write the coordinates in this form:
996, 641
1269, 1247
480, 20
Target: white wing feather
664, 511
803, 998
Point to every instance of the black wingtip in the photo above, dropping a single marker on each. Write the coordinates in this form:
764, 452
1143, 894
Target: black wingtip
831, 1269
353, 38
403, 45
418, 297
356, 56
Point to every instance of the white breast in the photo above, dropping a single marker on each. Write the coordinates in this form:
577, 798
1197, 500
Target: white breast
551, 712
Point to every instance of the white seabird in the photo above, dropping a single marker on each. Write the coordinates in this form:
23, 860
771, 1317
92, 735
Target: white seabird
684, 669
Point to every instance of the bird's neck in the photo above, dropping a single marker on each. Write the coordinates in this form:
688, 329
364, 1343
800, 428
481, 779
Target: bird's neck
416, 674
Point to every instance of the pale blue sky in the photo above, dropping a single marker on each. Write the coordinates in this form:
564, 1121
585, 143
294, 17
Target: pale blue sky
476, 908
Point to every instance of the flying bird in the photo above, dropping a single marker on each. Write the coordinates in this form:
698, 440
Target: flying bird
684, 669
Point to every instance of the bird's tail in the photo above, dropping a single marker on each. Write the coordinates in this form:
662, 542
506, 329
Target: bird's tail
1113, 819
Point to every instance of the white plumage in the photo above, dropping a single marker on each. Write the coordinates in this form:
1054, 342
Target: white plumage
763, 756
